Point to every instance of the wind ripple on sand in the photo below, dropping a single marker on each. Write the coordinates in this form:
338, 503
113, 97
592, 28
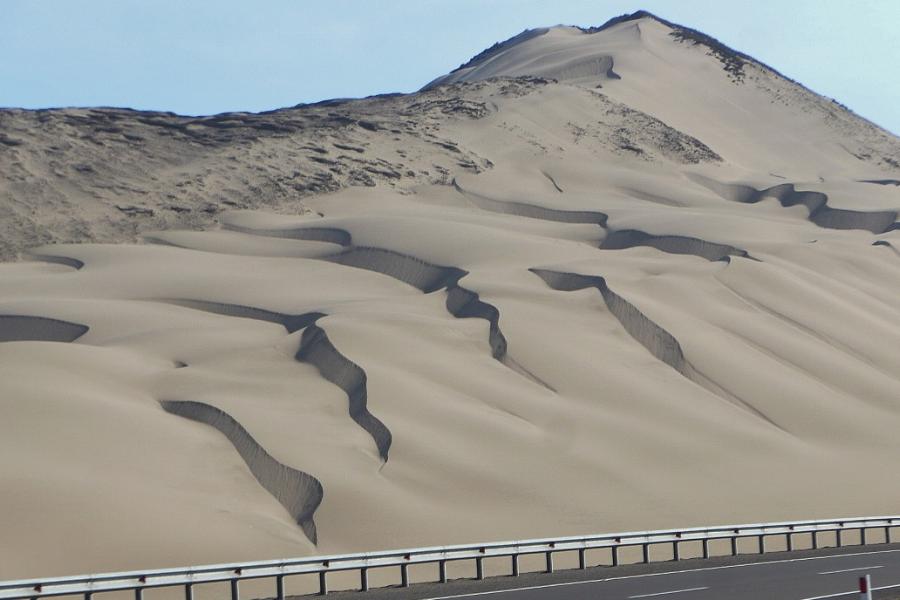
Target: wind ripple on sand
299, 492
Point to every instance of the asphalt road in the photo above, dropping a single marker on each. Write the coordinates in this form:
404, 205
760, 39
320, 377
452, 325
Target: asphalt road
813, 578
809, 575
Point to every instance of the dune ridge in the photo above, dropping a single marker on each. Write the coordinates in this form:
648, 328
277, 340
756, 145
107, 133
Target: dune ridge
888, 245
672, 244
332, 235
462, 303
16, 328
291, 323
659, 342
55, 258
299, 492
533, 211
317, 350
816, 202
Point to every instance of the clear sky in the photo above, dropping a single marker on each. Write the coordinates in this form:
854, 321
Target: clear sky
209, 56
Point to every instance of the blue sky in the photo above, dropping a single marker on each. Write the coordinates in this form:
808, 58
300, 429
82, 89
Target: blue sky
205, 56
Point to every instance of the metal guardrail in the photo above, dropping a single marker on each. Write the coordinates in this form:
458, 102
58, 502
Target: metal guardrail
138, 581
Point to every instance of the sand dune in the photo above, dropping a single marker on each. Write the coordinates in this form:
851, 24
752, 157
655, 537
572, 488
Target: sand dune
299, 492
596, 279
317, 349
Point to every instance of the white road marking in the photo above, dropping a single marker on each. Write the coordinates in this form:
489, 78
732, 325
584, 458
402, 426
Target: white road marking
696, 589
850, 570
770, 562
839, 594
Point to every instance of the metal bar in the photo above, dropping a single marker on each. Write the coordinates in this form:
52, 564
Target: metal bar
762, 544
136, 581
479, 568
188, 591
862, 536
363, 580
404, 575
279, 587
549, 562
581, 558
705, 548
789, 541
323, 583
645, 551
515, 565
675, 554
614, 551
442, 571
236, 591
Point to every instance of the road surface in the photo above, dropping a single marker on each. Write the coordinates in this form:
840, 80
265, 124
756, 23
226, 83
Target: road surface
810, 575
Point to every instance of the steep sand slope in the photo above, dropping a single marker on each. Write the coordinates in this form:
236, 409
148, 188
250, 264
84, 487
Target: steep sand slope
557, 309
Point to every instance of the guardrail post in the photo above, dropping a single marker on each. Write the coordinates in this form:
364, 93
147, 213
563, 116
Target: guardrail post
645, 552
789, 541
705, 547
87, 595
887, 534
581, 559
762, 544
188, 591
862, 536
479, 568
138, 594
404, 575
675, 554
442, 571
363, 580
734, 548
515, 565
549, 562
614, 550
815, 540
838, 533
279, 587
235, 590
323, 583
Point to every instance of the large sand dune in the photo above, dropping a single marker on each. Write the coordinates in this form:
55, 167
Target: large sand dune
593, 280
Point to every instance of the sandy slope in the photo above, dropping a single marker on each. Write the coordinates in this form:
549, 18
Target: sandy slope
557, 309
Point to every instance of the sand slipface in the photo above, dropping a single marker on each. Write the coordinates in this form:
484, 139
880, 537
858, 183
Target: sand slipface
597, 279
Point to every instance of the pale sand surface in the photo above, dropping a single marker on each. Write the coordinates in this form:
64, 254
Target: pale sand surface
675, 391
